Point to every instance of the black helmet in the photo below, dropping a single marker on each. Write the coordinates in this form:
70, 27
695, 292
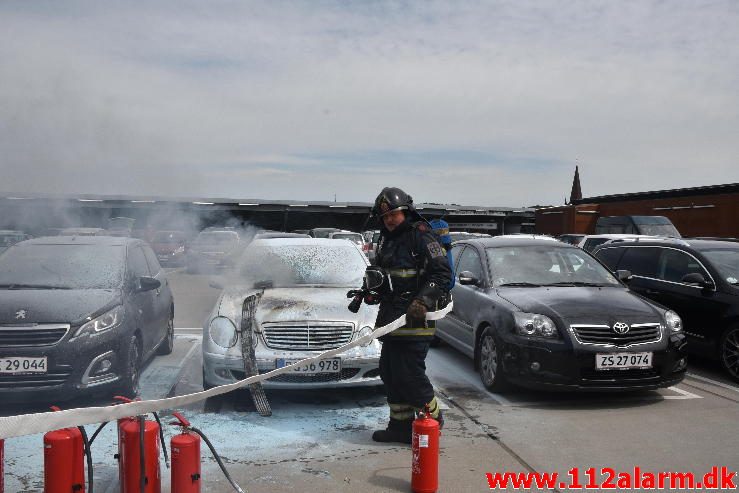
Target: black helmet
392, 199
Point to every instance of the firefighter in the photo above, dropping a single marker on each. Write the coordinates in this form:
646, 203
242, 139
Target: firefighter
410, 254
441, 228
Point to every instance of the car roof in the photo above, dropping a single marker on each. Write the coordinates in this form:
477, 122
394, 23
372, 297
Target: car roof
309, 241
680, 242
513, 241
81, 240
615, 236
276, 234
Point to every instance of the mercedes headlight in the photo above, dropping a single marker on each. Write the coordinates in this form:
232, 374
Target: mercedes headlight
365, 331
673, 320
106, 321
223, 332
536, 325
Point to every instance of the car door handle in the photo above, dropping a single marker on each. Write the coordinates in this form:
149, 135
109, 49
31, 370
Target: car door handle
651, 291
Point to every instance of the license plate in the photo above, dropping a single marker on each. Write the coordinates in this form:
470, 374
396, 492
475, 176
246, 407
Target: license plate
22, 365
623, 361
332, 365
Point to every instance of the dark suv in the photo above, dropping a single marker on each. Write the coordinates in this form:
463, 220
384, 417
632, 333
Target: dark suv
80, 314
696, 278
544, 314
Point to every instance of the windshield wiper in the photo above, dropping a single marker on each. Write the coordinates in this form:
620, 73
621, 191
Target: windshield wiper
578, 283
520, 284
32, 286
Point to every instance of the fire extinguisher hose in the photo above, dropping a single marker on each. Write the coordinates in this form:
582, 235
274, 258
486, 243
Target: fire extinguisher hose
218, 459
27, 424
88, 456
161, 439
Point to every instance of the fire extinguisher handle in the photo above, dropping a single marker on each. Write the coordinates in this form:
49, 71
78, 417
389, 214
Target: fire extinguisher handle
181, 420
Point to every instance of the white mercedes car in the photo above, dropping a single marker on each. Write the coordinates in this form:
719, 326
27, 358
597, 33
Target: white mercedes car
301, 285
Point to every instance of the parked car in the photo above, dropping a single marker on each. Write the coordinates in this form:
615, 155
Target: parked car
638, 225
699, 279
80, 315
544, 314
572, 239
355, 238
169, 247
9, 237
208, 250
303, 311
589, 242
322, 232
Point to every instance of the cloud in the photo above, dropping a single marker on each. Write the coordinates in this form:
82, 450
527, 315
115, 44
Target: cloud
470, 102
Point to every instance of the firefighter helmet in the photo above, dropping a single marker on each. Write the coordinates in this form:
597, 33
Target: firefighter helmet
392, 199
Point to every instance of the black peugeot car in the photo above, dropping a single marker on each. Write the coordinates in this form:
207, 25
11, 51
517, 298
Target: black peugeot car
698, 278
78, 315
544, 314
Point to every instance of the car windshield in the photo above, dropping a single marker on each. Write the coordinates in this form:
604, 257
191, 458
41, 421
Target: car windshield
659, 230
546, 266
62, 266
217, 238
293, 265
726, 262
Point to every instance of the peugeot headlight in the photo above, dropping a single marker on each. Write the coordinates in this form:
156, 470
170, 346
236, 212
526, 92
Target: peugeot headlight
223, 332
179, 250
536, 325
673, 320
106, 321
365, 331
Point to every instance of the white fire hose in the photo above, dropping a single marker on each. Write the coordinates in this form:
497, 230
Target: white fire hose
28, 424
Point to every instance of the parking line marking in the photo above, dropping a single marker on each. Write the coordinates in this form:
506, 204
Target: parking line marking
712, 382
684, 394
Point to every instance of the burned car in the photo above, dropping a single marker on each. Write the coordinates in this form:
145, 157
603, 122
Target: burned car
544, 314
169, 247
301, 285
80, 315
208, 250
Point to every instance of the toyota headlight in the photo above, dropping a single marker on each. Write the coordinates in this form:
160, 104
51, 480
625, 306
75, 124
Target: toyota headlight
673, 321
536, 325
365, 331
223, 332
106, 321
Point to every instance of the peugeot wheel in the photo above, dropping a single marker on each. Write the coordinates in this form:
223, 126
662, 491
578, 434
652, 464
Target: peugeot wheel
491, 371
729, 352
166, 346
130, 385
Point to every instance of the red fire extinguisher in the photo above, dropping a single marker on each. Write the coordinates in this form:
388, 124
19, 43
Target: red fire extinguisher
139, 456
425, 447
64, 463
185, 449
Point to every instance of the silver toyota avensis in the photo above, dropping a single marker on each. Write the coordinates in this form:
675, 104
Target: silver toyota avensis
302, 311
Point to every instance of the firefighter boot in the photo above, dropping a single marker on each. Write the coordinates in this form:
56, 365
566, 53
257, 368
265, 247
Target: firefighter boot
397, 431
440, 419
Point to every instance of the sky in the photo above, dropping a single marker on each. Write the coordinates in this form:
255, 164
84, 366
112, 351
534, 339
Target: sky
489, 103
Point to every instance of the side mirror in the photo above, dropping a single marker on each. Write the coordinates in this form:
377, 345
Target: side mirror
696, 278
213, 283
623, 275
148, 284
467, 278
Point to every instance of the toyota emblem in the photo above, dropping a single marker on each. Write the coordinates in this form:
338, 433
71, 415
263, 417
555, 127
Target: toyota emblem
620, 328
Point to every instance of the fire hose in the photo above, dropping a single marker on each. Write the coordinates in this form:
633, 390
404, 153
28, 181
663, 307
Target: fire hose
28, 424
